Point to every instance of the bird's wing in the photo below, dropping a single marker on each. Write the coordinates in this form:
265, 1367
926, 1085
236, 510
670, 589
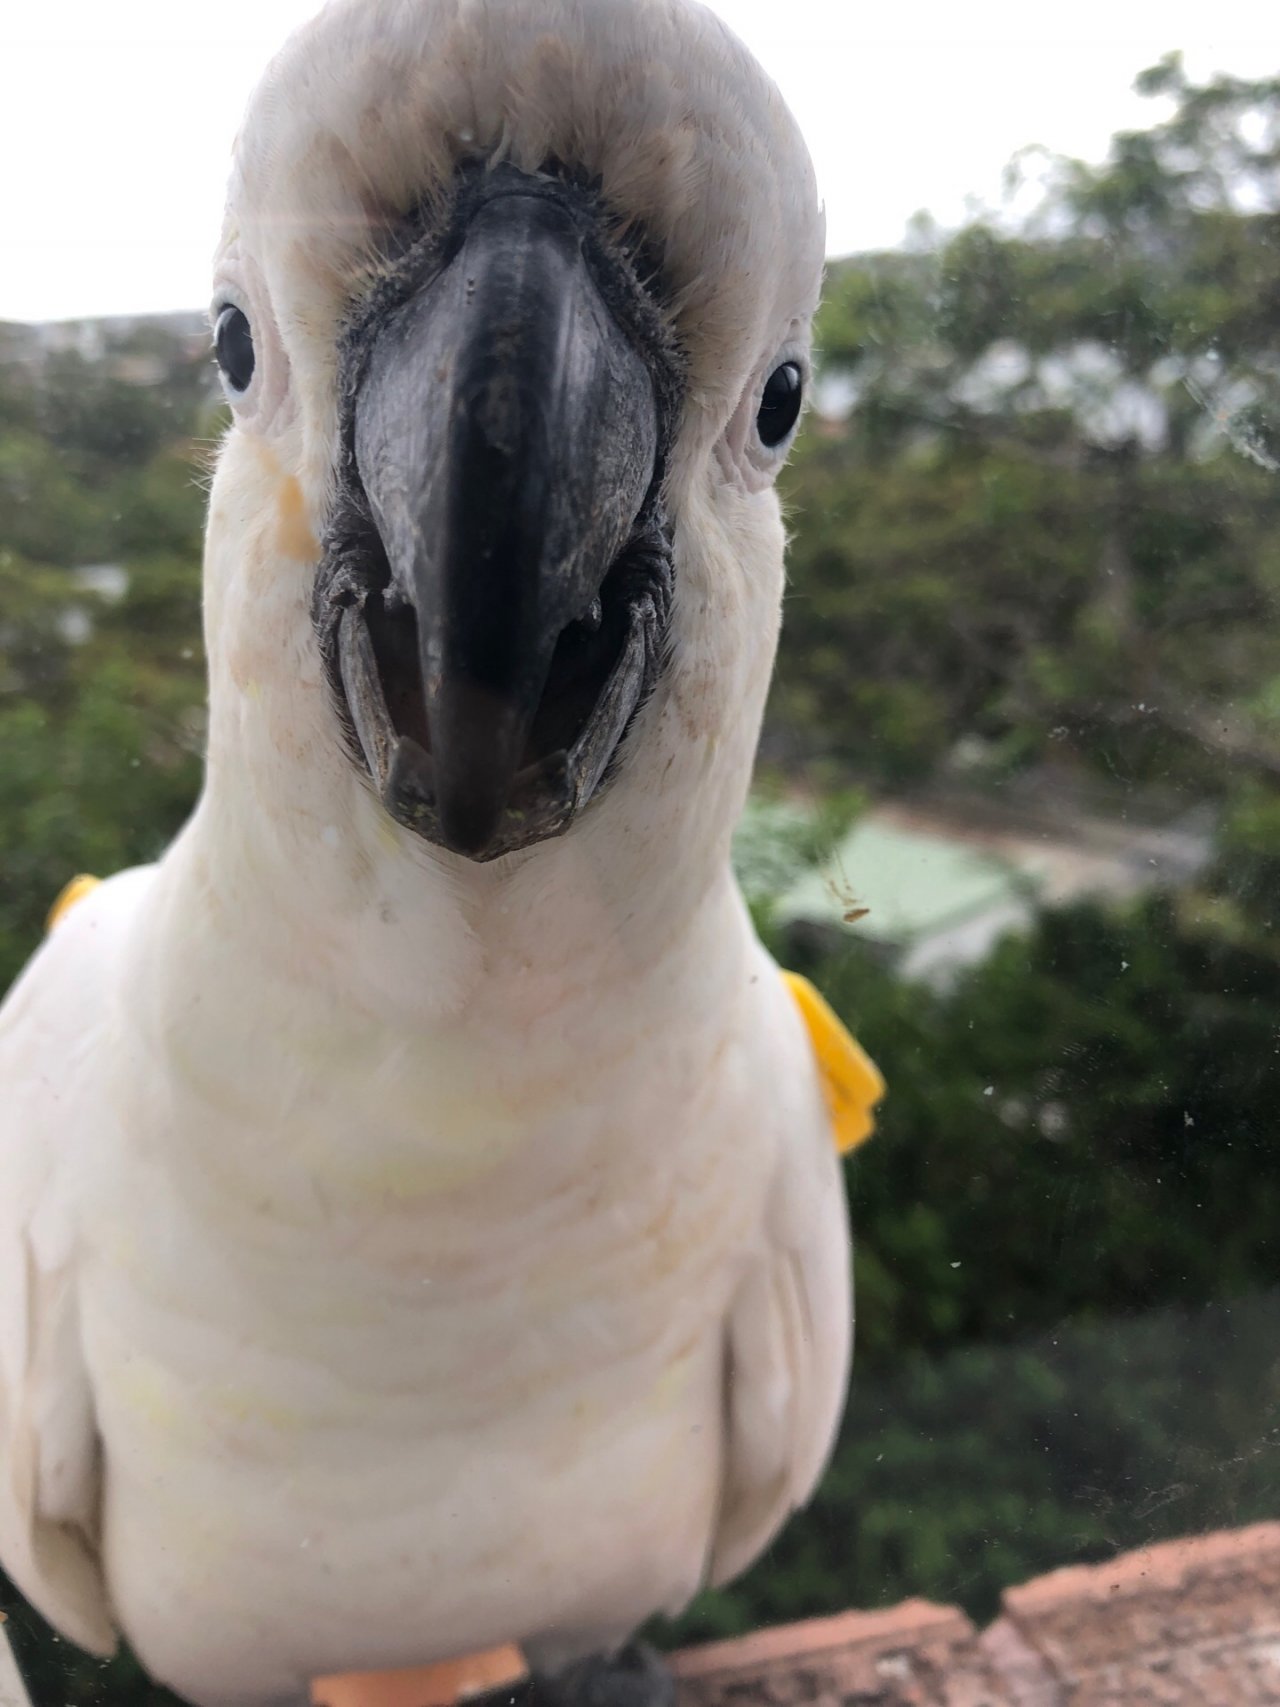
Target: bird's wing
789, 1330
50, 1026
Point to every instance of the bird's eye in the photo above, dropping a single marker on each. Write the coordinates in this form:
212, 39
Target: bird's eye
233, 340
780, 404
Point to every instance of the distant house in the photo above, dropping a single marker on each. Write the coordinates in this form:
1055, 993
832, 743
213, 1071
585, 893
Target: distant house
934, 884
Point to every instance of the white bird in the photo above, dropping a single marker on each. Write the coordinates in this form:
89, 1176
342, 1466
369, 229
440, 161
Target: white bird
420, 1227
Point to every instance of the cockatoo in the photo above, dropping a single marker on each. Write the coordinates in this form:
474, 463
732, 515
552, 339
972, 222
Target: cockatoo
420, 1226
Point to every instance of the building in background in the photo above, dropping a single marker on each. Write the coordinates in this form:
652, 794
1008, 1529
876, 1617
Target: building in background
933, 883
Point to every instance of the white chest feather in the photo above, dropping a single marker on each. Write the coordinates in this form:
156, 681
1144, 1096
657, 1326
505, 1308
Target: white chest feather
391, 1309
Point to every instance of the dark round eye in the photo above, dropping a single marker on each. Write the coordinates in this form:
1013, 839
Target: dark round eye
233, 340
780, 405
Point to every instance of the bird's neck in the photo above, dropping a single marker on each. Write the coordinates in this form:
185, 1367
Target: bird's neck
294, 857
345, 916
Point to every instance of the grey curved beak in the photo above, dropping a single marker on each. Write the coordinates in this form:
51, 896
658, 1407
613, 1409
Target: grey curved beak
506, 435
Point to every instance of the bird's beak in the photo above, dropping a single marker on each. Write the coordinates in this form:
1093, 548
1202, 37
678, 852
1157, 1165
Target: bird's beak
505, 433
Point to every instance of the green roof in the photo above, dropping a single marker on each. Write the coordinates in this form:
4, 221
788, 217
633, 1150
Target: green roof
913, 883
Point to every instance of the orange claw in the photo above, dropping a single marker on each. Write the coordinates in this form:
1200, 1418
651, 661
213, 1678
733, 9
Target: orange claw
442, 1685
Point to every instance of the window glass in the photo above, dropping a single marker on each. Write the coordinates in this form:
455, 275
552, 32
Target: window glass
1014, 811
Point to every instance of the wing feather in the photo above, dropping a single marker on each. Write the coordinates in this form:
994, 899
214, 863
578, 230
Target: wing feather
788, 1337
49, 1453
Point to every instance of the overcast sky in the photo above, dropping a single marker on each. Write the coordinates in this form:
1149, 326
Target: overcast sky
116, 118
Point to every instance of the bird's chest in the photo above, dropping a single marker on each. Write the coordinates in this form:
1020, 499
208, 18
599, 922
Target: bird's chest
364, 1333
417, 1232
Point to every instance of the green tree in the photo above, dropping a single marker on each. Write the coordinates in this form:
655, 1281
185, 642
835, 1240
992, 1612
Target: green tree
101, 661
1050, 517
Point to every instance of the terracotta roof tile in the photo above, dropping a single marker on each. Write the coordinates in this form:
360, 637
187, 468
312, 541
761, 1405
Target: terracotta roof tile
1192, 1623
897, 1658
1195, 1620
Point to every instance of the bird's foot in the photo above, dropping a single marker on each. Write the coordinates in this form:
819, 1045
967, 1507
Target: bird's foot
634, 1676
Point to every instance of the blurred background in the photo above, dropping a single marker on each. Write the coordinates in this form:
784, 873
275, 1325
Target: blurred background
1018, 802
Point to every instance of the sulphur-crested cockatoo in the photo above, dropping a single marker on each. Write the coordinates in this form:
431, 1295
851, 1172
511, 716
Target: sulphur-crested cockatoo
420, 1227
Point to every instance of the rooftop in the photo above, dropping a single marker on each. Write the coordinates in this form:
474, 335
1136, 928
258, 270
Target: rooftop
1193, 1623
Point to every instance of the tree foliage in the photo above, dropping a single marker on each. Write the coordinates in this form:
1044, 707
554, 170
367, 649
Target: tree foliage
101, 661
1051, 515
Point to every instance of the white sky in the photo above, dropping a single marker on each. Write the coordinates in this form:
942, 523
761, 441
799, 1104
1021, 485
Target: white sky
116, 116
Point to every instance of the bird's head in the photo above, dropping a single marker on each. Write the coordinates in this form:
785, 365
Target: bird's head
512, 308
